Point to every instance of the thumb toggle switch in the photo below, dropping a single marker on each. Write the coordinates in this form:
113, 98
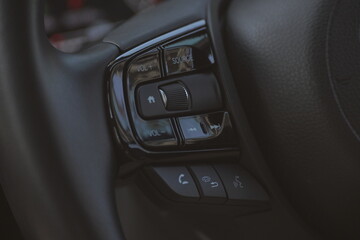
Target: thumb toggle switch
175, 97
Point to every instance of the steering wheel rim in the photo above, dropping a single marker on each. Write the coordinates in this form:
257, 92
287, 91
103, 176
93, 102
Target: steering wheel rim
292, 102
62, 174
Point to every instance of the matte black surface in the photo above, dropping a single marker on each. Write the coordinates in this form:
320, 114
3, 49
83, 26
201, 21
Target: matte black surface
278, 54
239, 184
210, 184
57, 164
157, 21
8, 226
180, 181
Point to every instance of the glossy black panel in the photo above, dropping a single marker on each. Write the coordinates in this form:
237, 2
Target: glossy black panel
117, 104
156, 133
188, 54
147, 94
208, 129
145, 67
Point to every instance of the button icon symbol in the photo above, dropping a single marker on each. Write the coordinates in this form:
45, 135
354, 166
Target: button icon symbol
206, 179
237, 183
154, 133
181, 179
151, 99
192, 129
215, 127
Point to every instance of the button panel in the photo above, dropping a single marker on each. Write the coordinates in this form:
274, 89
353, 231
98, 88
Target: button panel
173, 97
180, 96
218, 184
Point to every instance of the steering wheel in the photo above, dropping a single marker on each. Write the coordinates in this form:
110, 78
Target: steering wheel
284, 74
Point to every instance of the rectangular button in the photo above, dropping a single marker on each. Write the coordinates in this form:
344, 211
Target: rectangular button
211, 186
188, 54
208, 129
178, 181
239, 184
156, 133
145, 67
149, 101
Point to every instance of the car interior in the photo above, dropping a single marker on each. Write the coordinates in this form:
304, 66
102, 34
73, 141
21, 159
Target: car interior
179, 119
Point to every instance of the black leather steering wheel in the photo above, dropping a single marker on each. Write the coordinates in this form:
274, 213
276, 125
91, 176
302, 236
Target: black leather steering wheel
289, 73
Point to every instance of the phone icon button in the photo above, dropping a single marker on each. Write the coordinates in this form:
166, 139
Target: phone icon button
181, 179
180, 185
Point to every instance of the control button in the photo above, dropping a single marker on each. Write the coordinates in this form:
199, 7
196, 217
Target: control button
188, 54
240, 185
150, 102
179, 181
204, 92
156, 133
209, 129
175, 97
145, 67
210, 183
195, 93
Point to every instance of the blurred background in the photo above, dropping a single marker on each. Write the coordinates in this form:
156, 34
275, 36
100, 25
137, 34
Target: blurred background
72, 25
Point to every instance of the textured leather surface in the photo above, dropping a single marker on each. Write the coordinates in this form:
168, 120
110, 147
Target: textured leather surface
344, 60
8, 225
278, 54
57, 165
157, 21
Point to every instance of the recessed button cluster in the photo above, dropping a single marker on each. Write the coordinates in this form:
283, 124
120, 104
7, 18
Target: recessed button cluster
174, 96
222, 183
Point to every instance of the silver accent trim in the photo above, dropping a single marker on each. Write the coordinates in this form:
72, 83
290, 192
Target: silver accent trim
164, 97
186, 93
